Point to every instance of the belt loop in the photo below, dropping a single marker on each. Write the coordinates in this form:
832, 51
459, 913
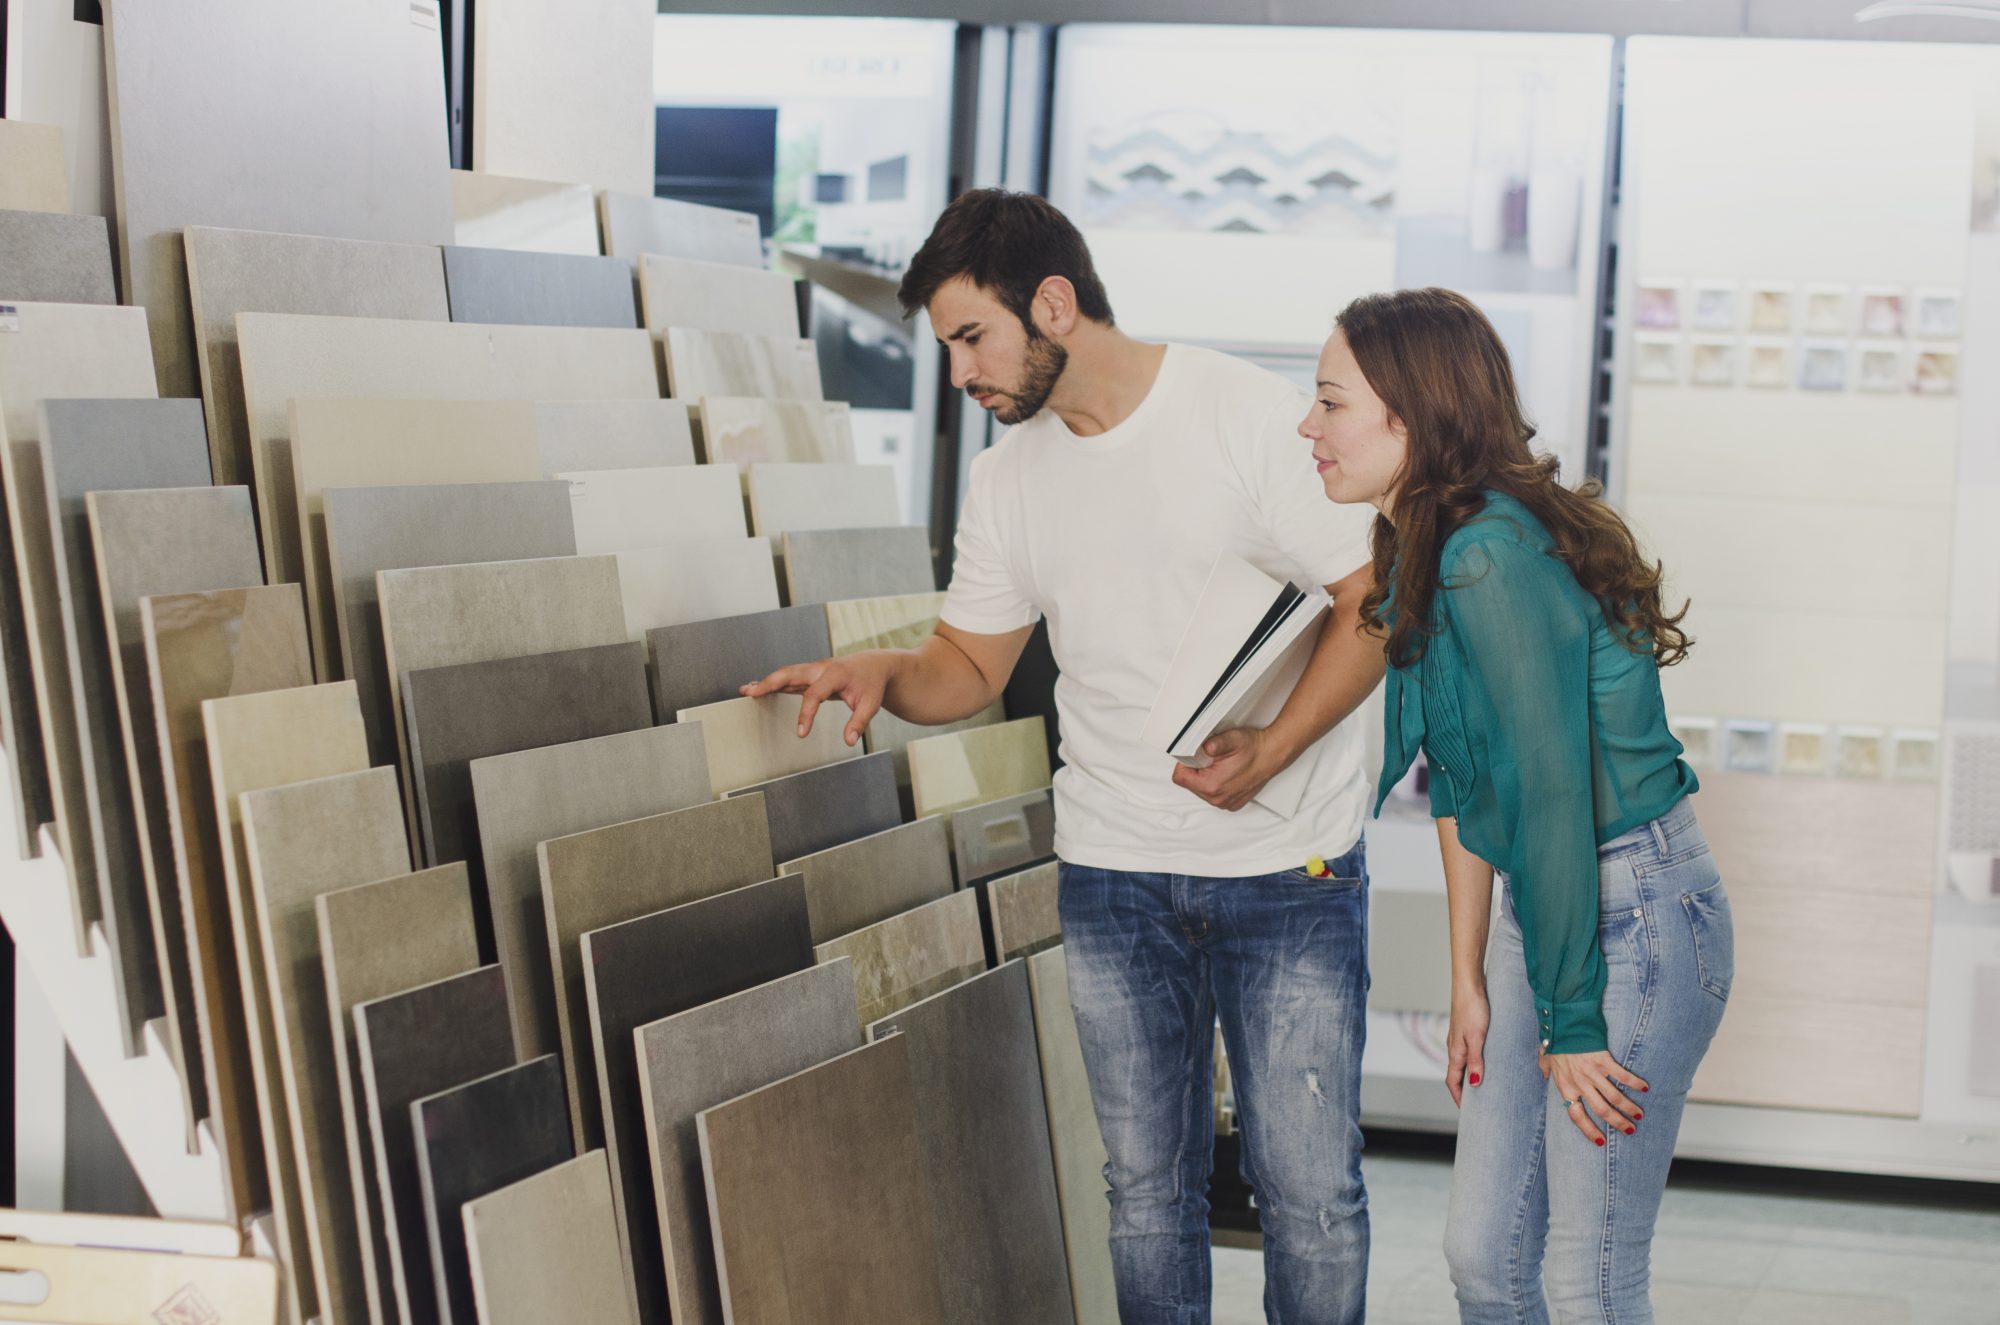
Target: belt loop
1659, 836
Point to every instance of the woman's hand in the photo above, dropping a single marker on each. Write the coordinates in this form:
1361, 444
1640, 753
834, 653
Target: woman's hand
1589, 1084
1466, 1040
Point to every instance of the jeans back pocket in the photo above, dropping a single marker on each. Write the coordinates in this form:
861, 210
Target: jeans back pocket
1714, 933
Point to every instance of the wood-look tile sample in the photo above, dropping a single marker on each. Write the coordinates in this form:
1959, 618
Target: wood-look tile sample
539, 289
203, 646
606, 876
524, 799
256, 741
302, 841
251, 271
907, 958
34, 173
717, 296
60, 352
1024, 911
816, 1197
973, 767
756, 740
534, 215
828, 565
1002, 836
617, 510
653, 967
684, 582
475, 1139
707, 662
59, 259
727, 363
744, 431
378, 939
546, 1249
1074, 1138
985, 1141
411, 1046
278, 135
900, 622
613, 434
459, 714
823, 808
636, 224
707, 1056
565, 94
872, 879
784, 498
335, 443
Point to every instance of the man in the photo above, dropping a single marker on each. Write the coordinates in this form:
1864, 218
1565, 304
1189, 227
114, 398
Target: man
1129, 468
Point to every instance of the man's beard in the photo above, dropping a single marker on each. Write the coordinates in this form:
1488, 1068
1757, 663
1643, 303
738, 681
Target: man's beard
1043, 368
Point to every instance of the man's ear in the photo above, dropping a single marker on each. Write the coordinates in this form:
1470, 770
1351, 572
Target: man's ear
1055, 310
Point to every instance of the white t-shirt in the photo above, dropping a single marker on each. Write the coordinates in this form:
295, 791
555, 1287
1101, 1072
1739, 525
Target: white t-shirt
1112, 538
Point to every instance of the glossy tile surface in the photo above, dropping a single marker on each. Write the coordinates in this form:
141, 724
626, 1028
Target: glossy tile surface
755, 740
717, 296
539, 289
745, 430
973, 767
617, 510
825, 807
534, 215
723, 363
707, 662
907, 958
546, 1248
635, 224
1024, 912
1003, 836
872, 879
54, 257
828, 565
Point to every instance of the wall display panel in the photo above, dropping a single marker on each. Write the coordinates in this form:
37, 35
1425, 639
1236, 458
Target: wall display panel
546, 1248
278, 136
565, 94
1080, 1156
744, 431
708, 662
827, 807
532, 215
907, 958
683, 583
755, 740
833, 565
613, 434
618, 510
722, 363
55, 258
636, 224
34, 175
539, 289
717, 296
875, 878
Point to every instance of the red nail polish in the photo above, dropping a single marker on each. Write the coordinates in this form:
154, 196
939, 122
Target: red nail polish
1637, 1116
1646, 1088
1600, 1140
1475, 1078
1631, 1131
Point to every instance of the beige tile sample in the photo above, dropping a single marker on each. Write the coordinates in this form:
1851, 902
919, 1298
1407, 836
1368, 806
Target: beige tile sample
303, 841
203, 646
34, 174
745, 431
540, 216
900, 622
96, 1284
618, 510
682, 583
546, 1249
787, 497
717, 296
1079, 1146
613, 434
610, 875
756, 740
565, 93
875, 878
636, 223
907, 958
723, 363
1025, 916
973, 767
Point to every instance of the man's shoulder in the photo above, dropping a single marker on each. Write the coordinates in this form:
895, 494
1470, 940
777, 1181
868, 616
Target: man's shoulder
1242, 383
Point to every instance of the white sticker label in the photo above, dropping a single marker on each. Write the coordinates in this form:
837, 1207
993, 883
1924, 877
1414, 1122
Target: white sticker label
424, 14
10, 318
745, 222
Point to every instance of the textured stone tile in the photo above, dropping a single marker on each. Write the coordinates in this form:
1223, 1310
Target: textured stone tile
637, 224
534, 215
827, 565
34, 174
653, 967
973, 767
620, 872
825, 807
784, 498
817, 1192
1024, 912
685, 582
756, 740
565, 94
613, 434
539, 289
302, 841
704, 1057
56, 258
745, 431
717, 296
872, 879
546, 1248
1002, 836
723, 363
985, 1142
1078, 1146
707, 662
907, 958
524, 799
617, 510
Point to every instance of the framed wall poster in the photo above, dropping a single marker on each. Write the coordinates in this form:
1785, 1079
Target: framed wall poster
1771, 309
1882, 312
1937, 315
1823, 365
1715, 306
1659, 306
1656, 360
1712, 360
1768, 364
1936, 373
1827, 311
1879, 366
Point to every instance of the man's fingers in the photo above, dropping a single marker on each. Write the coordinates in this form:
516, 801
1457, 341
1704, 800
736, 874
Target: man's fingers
785, 679
864, 713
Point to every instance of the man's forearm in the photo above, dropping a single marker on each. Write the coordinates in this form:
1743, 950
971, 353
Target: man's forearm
936, 683
1344, 669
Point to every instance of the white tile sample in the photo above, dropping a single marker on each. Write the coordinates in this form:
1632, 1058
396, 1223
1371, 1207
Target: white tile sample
686, 582
721, 363
634, 223
536, 215
613, 434
717, 296
34, 175
784, 498
744, 430
617, 510
756, 740
565, 92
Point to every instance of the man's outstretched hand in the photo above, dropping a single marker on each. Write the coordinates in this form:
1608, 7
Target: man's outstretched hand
858, 681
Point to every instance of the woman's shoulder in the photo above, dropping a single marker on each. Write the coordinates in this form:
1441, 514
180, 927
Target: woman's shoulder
1504, 527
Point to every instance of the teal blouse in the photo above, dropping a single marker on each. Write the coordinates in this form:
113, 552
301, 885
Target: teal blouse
1547, 737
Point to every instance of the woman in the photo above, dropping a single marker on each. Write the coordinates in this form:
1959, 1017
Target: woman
1525, 634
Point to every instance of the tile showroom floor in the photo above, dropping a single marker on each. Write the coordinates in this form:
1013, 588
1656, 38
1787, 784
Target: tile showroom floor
1730, 1251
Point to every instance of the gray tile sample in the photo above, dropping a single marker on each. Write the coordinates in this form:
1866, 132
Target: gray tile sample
546, 1249
816, 1197
706, 662
871, 879
1077, 1144
475, 1139
524, 799
985, 1142
539, 289
613, 434
369, 530
635, 225
1024, 912
276, 135
623, 871
1003, 836
459, 714
707, 1056
907, 958
55, 258
412, 1045
830, 565
825, 807
640, 971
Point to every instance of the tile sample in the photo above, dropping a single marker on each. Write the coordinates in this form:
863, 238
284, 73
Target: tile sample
612, 434
816, 1197
459, 714
684, 582
744, 431
539, 289
474, 1139
755, 740
825, 807
724, 363
1077, 1144
901, 622
973, 767
707, 662
609, 875
369, 529
872, 879
635, 224
411, 1046
100, 1284
709, 1055
717, 296
784, 498
375, 940
302, 841
34, 173
907, 958
829, 565
535, 215
617, 510
565, 94
546, 1248
642, 970
204, 646
278, 104
250, 271
1002, 836
985, 1144
55, 258
1023, 908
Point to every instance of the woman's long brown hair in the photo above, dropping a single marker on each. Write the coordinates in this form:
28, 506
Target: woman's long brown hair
1441, 369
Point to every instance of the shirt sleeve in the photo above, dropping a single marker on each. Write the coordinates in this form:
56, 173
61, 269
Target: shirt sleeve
986, 596
1325, 541
1526, 642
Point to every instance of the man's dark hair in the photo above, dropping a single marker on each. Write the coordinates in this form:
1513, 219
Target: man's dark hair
1007, 244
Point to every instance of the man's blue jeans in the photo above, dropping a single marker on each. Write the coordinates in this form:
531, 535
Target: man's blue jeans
1282, 960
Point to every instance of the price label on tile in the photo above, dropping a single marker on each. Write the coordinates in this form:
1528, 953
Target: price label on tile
10, 318
424, 14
